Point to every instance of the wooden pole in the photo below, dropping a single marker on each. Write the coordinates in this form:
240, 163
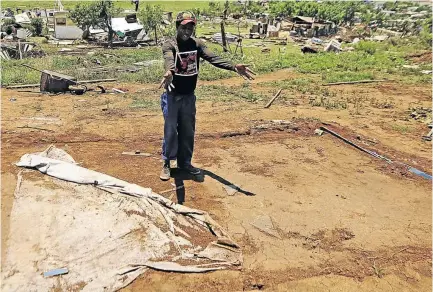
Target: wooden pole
356, 82
274, 98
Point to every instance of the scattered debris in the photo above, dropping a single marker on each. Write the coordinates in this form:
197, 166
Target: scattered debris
231, 189
420, 173
56, 272
428, 137
316, 41
273, 98
426, 71
411, 66
137, 153
372, 153
231, 38
264, 223
20, 50
55, 82
118, 90
420, 113
318, 132
81, 82
380, 38
333, 46
376, 155
308, 50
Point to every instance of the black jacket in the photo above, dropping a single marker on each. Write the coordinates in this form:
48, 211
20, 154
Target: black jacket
182, 59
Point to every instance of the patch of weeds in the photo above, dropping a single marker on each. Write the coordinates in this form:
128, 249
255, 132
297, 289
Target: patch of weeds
378, 271
140, 102
328, 103
367, 47
401, 128
387, 103
358, 102
228, 93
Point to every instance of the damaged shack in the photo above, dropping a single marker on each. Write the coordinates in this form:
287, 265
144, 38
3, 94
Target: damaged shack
311, 27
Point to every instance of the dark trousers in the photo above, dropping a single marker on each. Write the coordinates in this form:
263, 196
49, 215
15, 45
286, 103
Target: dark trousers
179, 127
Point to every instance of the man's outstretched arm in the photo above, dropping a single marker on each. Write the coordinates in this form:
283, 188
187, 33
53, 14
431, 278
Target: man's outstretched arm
222, 63
169, 65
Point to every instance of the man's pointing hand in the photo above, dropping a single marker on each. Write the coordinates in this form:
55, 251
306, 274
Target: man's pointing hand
244, 71
167, 80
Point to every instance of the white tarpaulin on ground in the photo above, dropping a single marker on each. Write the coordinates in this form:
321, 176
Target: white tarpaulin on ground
105, 231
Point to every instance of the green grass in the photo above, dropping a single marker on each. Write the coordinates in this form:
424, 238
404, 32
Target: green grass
141, 101
174, 6
228, 93
384, 62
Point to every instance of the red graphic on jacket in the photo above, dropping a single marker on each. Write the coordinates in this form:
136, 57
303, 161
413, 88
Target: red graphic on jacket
186, 63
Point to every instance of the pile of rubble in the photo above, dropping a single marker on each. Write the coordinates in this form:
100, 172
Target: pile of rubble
20, 50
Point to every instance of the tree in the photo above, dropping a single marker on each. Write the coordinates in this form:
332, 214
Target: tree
214, 9
84, 16
151, 18
96, 14
106, 11
37, 25
196, 12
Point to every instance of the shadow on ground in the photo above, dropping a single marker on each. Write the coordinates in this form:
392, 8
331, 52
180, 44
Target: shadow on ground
180, 176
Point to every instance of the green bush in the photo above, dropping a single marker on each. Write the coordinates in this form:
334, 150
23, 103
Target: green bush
37, 25
365, 46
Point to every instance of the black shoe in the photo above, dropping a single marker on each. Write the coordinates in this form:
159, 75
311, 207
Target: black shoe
191, 169
165, 172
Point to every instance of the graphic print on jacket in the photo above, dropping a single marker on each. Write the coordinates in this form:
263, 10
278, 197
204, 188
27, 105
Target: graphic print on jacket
186, 63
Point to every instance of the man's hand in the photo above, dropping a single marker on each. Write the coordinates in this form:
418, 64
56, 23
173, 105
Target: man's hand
244, 71
167, 80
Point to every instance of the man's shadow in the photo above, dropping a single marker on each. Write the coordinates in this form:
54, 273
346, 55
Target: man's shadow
180, 176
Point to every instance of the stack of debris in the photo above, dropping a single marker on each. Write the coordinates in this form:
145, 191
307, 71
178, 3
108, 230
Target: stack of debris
20, 50
420, 113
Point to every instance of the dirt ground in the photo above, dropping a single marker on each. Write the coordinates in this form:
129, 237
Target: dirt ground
341, 219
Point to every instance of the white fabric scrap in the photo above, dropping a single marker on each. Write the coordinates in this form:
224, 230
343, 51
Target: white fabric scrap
98, 235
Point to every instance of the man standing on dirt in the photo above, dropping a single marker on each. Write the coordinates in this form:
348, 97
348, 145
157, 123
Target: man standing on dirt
181, 62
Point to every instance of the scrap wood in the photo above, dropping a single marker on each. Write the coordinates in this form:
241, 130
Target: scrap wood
136, 153
376, 155
37, 84
118, 90
356, 82
22, 86
372, 153
272, 100
36, 128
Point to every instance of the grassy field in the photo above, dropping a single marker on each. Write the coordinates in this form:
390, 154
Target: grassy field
385, 62
171, 5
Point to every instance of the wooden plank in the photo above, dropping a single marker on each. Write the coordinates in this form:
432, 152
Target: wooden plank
274, 98
356, 82
37, 84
